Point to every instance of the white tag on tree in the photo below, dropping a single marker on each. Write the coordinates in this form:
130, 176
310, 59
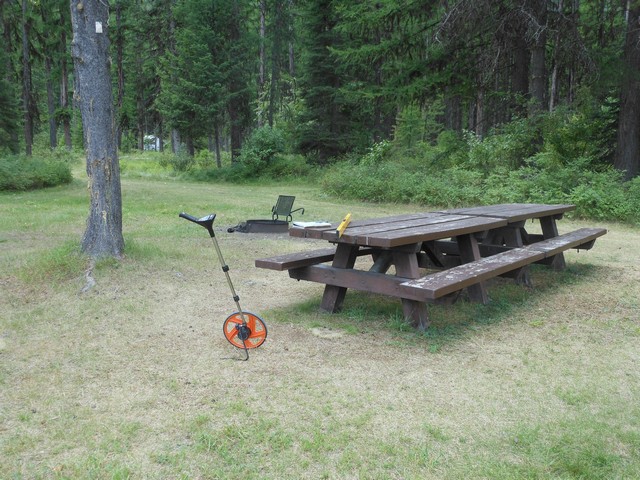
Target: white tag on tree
98, 27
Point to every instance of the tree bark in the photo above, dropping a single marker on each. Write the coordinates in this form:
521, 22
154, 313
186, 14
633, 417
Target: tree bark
119, 40
628, 149
90, 50
216, 132
262, 5
64, 88
51, 105
27, 89
538, 85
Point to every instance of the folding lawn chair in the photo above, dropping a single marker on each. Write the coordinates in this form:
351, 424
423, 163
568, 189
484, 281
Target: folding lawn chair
283, 207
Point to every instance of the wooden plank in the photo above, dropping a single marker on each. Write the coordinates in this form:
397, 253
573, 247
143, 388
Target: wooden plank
354, 233
448, 281
580, 239
295, 260
431, 232
450, 247
514, 212
322, 232
302, 259
357, 279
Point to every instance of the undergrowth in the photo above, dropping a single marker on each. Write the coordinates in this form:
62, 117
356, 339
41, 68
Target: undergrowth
21, 172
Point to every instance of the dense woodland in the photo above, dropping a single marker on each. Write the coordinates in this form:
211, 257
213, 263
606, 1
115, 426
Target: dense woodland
333, 77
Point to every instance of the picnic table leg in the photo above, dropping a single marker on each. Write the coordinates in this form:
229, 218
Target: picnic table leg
406, 263
333, 296
382, 262
469, 252
550, 230
514, 239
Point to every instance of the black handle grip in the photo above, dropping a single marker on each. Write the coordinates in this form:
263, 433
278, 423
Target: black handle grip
206, 222
191, 218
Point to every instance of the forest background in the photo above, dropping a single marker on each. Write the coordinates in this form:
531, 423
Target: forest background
437, 103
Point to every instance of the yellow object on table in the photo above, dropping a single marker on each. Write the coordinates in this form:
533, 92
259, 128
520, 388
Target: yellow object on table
343, 225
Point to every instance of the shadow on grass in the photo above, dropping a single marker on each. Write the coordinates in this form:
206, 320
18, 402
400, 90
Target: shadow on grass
364, 312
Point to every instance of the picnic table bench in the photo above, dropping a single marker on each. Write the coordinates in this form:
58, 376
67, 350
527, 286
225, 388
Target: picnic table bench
460, 249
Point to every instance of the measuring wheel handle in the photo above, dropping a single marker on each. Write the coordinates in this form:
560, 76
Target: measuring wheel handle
206, 222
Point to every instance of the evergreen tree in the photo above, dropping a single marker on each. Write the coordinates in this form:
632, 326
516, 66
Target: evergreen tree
9, 123
327, 126
209, 71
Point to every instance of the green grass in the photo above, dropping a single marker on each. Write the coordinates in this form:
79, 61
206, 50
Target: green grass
132, 379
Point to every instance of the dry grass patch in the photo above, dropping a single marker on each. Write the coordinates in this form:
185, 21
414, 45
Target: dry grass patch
133, 379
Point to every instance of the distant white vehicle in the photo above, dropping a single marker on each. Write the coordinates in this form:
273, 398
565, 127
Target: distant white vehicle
152, 143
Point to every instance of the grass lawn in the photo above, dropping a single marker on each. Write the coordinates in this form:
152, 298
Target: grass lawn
132, 378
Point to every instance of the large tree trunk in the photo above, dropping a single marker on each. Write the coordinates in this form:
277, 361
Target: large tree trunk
628, 149
90, 49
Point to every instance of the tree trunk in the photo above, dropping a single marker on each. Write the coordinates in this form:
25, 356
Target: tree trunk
64, 89
292, 63
553, 91
51, 105
628, 148
216, 133
452, 112
119, 68
538, 85
520, 72
27, 88
90, 50
262, 4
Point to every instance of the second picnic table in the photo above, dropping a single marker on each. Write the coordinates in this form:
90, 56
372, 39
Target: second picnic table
460, 248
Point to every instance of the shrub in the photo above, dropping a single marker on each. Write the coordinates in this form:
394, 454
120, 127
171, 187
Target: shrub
18, 172
180, 161
260, 149
288, 166
633, 194
601, 195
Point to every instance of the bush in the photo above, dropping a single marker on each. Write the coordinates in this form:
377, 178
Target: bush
180, 161
260, 149
601, 195
288, 166
632, 188
19, 172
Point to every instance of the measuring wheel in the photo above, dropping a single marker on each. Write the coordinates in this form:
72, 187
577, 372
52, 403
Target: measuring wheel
243, 329
248, 333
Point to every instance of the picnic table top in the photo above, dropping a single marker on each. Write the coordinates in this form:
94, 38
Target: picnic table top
399, 230
514, 212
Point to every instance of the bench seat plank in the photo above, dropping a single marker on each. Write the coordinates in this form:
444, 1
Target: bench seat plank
303, 259
296, 260
442, 283
582, 238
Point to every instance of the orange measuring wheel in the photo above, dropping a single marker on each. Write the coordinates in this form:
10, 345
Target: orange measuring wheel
243, 329
248, 333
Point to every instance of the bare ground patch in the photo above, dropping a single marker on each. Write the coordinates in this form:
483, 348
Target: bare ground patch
134, 378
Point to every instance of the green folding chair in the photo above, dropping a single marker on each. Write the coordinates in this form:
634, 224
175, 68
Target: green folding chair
283, 208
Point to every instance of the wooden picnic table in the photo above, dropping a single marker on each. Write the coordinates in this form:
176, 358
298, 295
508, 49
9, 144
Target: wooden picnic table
463, 246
